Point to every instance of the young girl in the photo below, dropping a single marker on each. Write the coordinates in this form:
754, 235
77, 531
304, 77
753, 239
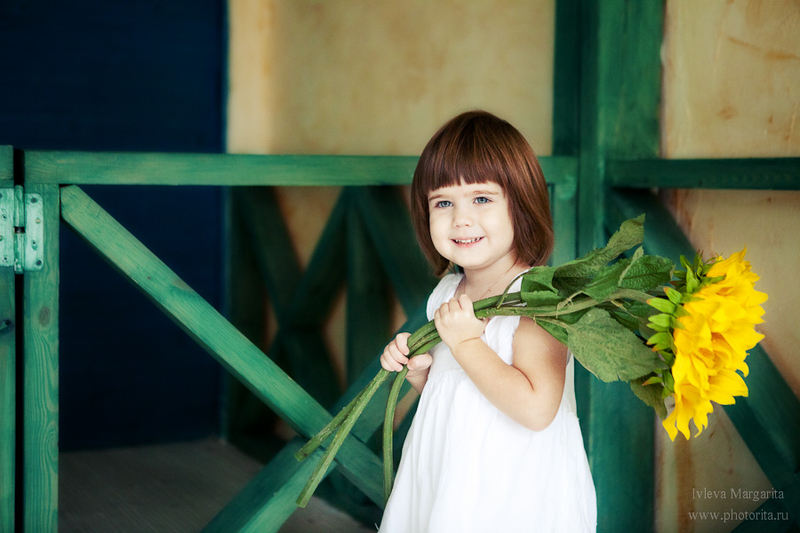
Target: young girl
495, 444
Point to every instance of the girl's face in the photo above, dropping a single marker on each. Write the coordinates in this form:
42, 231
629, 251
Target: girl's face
471, 226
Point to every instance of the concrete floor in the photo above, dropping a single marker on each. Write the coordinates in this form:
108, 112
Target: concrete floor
173, 488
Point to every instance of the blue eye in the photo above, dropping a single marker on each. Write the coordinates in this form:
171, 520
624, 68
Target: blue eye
443, 203
482, 200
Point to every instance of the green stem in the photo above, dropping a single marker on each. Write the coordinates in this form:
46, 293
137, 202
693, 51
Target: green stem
388, 433
350, 420
303, 453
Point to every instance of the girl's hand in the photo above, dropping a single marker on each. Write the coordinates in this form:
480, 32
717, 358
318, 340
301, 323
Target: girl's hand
456, 322
395, 356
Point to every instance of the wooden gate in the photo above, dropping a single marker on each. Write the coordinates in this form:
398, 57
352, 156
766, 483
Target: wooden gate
369, 201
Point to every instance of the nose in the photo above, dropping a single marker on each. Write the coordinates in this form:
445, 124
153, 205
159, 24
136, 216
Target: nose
462, 216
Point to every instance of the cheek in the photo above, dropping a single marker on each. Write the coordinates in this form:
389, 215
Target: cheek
435, 227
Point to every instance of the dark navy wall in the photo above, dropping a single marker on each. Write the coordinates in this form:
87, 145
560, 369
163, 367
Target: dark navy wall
142, 75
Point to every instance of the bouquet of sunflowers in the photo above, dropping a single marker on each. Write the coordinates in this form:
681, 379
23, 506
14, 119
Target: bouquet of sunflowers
684, 345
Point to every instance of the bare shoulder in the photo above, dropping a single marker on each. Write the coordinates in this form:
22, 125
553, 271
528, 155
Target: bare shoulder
532, 341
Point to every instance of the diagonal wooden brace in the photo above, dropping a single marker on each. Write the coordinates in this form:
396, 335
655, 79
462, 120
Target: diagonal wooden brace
214, 333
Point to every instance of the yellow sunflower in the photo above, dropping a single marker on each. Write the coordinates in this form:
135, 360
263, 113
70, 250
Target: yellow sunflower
711, 346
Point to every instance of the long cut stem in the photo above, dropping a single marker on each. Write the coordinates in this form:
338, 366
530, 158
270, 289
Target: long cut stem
388, 433
338, 439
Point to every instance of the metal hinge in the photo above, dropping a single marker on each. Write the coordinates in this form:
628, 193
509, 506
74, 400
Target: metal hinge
21, 230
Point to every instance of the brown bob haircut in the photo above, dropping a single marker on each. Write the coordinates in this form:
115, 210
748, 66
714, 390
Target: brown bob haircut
478, 147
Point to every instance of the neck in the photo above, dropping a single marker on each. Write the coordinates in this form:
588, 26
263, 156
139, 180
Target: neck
483, 283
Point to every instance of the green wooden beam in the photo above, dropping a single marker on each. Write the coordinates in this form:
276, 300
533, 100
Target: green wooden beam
392, 234
294, 297
120, 168
211, 331
566, 79
215, 169
8, 370
269, 499
563, 205
768, 173
264, 498
768, 420
368, 298
270, 242
40, 376
619, 108
590, 156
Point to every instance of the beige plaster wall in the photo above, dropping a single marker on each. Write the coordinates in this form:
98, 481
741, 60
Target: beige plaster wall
732, 89
365, 77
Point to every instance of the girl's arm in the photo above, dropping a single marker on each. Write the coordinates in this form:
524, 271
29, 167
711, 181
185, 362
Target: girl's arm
529, 390
394, 356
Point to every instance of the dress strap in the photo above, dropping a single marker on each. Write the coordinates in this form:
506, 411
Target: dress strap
568, 398
443, 292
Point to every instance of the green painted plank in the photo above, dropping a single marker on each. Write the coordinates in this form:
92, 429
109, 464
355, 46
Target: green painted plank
563, 206
271, 243
389, 224
325, 274
591, 156
224, 169
201, 321
620, 80
215, 169
767, 173
309, 358
310, 364
368, 301
8, 370
269, 499
620, 450
264, 499
631, 34
40, 381
769, 418
566, 79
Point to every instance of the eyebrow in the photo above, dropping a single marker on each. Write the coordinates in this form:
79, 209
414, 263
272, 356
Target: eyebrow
479, 192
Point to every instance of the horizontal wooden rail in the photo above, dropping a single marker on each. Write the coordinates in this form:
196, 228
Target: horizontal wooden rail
201, 321
772, 173
131, 168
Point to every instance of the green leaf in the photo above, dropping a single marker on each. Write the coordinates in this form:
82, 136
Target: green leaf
661, 320
576, 274
673, 295
652, 395
648, 272
540, 298
609, 350
557, 331
665, 306
538, 278
622, 316
607, 280
662, 337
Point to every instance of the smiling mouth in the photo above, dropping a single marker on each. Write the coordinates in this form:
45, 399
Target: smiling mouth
467, 241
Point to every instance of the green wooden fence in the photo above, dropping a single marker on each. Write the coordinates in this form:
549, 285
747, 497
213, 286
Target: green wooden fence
606, 138
56, 177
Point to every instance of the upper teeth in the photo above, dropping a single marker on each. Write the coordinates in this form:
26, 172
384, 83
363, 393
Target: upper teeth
467, 241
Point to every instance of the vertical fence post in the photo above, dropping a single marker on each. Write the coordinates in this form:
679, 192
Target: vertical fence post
40, 371
8, 366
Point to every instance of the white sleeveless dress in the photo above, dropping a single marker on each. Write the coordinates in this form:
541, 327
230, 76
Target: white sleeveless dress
468, 468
